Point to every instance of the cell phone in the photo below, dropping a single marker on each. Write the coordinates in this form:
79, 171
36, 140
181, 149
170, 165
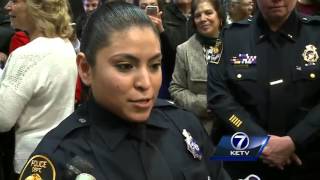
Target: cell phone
152, 10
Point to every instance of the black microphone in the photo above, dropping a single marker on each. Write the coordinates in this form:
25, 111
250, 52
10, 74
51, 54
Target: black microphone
79, 169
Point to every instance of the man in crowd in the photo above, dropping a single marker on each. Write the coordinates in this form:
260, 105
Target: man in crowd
238, 10
178, 28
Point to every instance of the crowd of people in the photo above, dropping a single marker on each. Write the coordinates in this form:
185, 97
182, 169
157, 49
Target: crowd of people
146, 89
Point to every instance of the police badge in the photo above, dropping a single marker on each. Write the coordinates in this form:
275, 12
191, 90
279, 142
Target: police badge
310, 55
192, 146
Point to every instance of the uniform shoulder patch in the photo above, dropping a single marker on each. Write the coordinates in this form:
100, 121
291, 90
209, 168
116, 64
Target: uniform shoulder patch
238, 24
310, 19
242, 22
164, 103
38, 167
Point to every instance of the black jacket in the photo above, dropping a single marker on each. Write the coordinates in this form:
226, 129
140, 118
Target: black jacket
102, 141
177, 26
178, 29
6, 33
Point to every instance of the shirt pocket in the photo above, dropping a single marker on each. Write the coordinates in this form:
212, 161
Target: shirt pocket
243, 85
306, 85
304, 74
198, 78
197, 70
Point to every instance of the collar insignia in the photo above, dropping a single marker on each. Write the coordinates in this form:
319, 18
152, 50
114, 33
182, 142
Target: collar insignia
243, 59
310, 55
39, 167
192, 146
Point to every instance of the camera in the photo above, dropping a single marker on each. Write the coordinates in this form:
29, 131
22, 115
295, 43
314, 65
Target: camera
152, 10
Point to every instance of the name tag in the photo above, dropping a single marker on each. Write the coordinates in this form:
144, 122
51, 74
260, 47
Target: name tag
272, 83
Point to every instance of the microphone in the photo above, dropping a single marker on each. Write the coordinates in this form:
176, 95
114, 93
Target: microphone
85, 176
79, 169
251, 177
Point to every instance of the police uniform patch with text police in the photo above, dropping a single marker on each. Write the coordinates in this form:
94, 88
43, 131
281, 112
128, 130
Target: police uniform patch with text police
39, 167
310, 55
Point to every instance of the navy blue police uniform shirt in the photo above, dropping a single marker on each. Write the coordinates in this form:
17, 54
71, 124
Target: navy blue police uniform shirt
97, 142
269, 82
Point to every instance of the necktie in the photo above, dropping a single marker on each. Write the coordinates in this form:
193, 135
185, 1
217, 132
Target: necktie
155, 166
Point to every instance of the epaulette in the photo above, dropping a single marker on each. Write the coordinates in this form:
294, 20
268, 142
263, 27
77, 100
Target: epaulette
168, 105
242, 22
74, 121
236, 25
310, 19
55, 136
164, 103
226, 26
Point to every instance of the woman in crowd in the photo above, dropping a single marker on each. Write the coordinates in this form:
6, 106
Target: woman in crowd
37, 87
122, 131
188, 87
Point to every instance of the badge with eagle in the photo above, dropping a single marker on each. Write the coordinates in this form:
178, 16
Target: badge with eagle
310, 54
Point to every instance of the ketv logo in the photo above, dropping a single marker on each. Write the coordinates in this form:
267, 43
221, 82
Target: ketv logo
240, 147
240, 142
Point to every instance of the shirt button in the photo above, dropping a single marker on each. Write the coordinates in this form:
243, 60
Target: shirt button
81, 120
239, 76
312, 75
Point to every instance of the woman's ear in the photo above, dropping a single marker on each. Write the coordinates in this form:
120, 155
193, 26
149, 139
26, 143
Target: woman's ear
84, 69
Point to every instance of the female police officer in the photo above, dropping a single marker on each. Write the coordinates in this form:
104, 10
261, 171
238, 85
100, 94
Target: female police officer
122, 132
267, 83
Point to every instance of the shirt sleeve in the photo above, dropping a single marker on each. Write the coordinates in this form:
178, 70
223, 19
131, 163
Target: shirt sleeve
304, 131
231, 114
16, 89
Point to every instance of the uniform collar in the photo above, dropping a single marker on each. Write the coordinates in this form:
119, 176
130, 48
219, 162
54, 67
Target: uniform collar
290, 29
112, 129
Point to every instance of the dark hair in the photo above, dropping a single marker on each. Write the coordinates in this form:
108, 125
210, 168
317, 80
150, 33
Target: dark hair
216, 5
107, 19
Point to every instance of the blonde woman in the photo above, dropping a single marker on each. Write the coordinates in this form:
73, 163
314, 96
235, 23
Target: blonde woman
37, 87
